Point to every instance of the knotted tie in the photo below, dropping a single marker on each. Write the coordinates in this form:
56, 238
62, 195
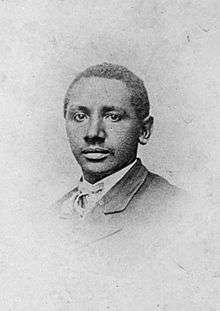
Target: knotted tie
87, 197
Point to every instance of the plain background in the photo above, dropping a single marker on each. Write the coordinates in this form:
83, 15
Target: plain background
174, 46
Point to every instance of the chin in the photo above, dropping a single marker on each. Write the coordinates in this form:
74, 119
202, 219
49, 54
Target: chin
98, 167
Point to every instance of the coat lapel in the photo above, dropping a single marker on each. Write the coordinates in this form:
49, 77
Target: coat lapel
117, 198
96, 227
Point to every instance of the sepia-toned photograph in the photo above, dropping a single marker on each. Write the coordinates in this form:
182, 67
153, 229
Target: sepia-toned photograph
110, 151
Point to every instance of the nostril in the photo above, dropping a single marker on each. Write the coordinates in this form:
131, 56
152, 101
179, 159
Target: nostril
94, 140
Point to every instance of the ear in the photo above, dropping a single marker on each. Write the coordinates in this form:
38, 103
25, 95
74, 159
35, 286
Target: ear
146, 130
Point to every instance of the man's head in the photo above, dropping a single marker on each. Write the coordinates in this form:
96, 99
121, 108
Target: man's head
106, 110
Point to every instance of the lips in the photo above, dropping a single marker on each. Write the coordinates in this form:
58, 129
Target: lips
95, 153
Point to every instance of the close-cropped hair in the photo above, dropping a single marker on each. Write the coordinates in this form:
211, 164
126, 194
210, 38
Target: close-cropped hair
138, 93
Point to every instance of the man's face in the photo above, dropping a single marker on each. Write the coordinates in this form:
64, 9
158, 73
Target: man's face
102, 126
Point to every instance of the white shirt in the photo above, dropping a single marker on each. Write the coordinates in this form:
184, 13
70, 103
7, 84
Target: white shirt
107, 183
110, 180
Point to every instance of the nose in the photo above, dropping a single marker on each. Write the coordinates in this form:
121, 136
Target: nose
96, 130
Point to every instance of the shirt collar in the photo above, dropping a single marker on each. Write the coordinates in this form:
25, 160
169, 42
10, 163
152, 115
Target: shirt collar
107, 182
117, 198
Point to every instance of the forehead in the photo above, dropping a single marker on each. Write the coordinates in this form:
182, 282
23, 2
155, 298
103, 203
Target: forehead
100, 91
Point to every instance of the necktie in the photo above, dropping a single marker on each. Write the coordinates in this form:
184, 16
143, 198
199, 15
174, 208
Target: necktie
87, 197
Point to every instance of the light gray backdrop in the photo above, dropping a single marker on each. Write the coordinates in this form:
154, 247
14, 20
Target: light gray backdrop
174, 46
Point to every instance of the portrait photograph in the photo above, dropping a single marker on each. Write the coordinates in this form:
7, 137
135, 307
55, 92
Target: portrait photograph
110, 151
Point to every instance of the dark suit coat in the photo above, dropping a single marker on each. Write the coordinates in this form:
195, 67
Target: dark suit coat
138, 190
135, 251
139, 200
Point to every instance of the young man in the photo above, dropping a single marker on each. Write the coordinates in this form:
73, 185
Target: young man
121, 239
107, 116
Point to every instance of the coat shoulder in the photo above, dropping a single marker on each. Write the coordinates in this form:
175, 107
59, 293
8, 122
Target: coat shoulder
159, 200
66, 196
159, 183
64, 203
161, 189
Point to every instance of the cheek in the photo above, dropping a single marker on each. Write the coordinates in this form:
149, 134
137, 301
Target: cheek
125, 139
125, 133
75, 133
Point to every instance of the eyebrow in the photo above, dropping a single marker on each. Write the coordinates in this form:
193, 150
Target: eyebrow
105, 109
112, 108
82, 108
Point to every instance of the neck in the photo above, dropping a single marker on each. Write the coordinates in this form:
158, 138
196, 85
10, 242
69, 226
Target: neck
93, 178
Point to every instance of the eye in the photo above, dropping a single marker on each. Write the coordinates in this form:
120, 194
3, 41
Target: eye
79, 116
114, 117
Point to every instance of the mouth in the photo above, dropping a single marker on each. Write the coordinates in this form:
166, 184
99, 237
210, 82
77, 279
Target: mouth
95, 153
